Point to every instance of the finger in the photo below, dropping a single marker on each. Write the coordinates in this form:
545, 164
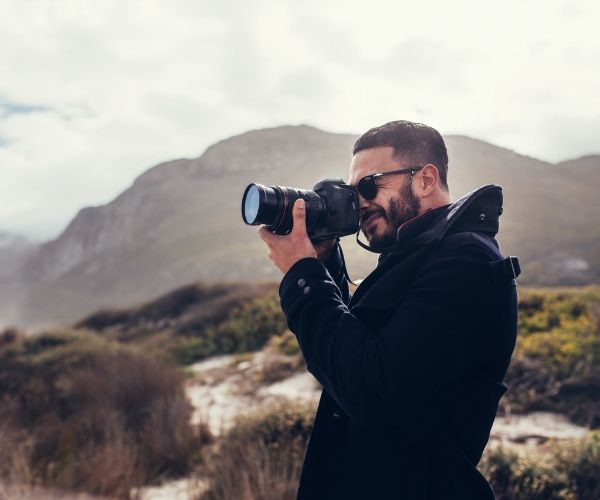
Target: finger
266, 235
299, 215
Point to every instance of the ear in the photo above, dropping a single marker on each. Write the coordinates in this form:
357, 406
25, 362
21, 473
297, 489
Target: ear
427, 182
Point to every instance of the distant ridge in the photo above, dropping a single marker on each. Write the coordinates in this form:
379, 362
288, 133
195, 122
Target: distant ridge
179, 222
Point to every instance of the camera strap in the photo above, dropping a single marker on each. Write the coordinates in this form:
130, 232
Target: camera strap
344, 269
374, 250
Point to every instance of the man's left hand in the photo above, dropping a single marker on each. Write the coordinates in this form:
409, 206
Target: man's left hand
286, 250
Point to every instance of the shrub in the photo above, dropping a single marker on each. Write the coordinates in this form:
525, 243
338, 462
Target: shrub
581, 463
286, 343
570, 472
247, 328
513, 476
277, 367
250, 326
261, 457
15, 459
9, 335
101, 418
557, 356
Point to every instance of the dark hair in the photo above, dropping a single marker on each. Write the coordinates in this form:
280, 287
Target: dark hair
413, 143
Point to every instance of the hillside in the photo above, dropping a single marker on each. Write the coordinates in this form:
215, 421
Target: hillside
180, 222
112, 376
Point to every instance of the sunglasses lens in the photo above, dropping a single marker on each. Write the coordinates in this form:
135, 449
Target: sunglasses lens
366, 188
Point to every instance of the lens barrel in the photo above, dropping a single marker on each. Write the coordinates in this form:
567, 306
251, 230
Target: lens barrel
259, 205
272, 206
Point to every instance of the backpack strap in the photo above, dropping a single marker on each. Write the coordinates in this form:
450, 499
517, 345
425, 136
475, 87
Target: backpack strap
508, 268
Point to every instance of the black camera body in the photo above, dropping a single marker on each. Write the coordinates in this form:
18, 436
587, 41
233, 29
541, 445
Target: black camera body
332, 208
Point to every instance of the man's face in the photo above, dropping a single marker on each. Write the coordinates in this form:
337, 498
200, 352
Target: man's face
394, 203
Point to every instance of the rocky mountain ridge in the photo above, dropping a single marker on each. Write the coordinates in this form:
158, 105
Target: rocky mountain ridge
180, 222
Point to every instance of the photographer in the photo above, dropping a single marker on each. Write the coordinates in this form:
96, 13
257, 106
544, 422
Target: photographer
411, 364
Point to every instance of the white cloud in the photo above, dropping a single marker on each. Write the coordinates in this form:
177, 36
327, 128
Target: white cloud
94, 93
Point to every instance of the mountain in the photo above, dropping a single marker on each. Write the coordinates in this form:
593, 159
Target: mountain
180, 222
14, 252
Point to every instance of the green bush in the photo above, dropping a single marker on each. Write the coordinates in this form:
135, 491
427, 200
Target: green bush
248, 327
556, 362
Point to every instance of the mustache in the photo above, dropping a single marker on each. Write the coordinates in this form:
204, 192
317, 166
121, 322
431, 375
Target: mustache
367, 213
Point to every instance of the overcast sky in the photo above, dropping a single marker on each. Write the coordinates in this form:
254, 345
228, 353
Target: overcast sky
93, 93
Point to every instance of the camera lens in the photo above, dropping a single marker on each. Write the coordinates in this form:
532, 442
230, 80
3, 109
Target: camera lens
273, 206
251, 204
260, 205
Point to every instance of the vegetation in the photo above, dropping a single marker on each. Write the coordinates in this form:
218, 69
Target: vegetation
261, 457
101, 408
247, 327
555, 367
279, 359
89, 414
196, 322
570, 472
556, 364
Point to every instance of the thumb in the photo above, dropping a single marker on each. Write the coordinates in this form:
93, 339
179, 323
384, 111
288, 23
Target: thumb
299, 215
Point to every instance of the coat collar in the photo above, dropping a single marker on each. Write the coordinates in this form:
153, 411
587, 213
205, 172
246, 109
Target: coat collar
478, 210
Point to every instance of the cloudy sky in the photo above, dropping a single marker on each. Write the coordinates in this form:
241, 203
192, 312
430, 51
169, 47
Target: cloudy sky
92, 93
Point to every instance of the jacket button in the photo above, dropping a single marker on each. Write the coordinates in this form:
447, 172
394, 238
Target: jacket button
306, 290
301, 282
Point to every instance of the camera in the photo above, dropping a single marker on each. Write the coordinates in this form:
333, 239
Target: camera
332, 208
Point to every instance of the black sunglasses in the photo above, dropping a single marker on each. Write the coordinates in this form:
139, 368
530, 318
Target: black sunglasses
367, 187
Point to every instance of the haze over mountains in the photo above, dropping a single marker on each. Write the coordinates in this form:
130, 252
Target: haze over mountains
180, 222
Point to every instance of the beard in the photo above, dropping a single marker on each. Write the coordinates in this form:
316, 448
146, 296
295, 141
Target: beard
400, 210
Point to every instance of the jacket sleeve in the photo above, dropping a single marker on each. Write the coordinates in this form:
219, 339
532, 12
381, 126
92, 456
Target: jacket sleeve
433, 336
337, 270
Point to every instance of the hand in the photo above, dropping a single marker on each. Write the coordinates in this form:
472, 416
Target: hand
286, 250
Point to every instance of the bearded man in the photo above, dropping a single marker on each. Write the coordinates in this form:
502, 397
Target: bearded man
412, 364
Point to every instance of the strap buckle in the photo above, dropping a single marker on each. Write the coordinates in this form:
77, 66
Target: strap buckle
506, 269
514, 265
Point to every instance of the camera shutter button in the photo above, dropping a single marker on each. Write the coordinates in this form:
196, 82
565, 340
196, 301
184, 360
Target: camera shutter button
301, 282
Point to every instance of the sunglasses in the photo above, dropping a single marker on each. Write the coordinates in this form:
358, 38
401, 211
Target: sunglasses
367, 186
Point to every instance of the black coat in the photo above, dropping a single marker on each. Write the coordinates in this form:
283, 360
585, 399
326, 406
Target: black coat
412, 364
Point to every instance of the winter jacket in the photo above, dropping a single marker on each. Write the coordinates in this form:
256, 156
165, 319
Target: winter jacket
412, 364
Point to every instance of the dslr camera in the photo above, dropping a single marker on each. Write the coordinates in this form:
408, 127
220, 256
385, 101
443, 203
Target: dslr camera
332, 208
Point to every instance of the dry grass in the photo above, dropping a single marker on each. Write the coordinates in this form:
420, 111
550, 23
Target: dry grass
564, 470
16, 476
98, 418
261, 457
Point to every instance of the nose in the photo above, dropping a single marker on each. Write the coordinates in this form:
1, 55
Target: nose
363, 203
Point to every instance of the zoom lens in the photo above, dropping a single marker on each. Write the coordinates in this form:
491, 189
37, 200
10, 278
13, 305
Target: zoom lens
272, 206
251, 204
260, 205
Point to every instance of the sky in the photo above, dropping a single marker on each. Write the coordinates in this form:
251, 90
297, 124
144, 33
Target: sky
93, 93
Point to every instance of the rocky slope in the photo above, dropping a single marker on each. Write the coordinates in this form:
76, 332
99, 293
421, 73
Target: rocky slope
180, 222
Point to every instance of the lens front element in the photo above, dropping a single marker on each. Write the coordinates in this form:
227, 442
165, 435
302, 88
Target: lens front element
251, 204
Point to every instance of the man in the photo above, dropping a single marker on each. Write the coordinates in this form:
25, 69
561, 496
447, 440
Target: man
411, 364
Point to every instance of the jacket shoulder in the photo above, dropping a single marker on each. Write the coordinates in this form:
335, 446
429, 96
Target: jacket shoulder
478, 242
